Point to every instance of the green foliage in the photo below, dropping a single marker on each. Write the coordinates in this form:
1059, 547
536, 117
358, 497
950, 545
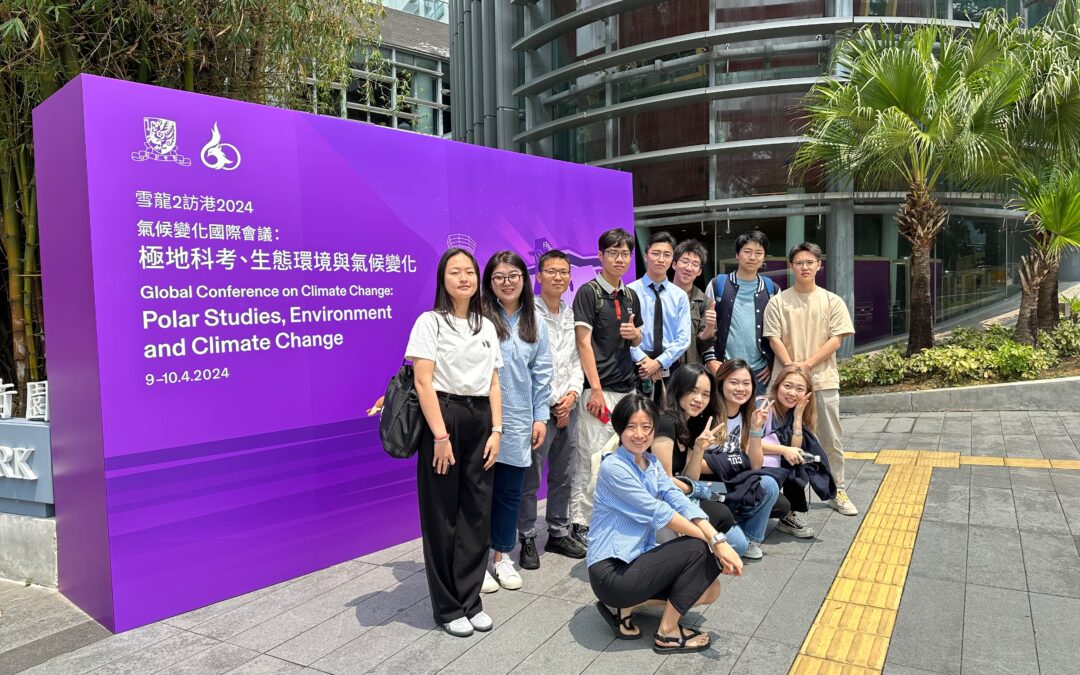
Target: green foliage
1073, 303
1063, 340
882, 368
1013, 361
975, 338
954, 364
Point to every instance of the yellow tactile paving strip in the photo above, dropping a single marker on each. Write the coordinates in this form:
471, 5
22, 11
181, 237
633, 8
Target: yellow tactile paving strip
851, 633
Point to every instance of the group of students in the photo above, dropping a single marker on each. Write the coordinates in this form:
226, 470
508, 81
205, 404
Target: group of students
724, 402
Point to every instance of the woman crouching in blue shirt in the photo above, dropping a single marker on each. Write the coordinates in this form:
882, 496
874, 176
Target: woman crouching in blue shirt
634, 498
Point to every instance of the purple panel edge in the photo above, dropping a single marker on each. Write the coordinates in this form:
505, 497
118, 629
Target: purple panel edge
84, 561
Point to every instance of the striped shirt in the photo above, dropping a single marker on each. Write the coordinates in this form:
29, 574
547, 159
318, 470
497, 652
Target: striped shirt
631, 505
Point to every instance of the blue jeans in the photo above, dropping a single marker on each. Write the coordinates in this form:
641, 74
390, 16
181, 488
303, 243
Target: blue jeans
754, 526
505, 502
736, 538
760, 388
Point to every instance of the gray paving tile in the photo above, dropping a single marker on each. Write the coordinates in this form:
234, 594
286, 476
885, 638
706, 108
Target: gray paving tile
31, 621
221, 658
267, 665
833, 541
1058, 447
1024, 446
1039, 511
991, 476
1051, 563
940, 551
287, 625
50, 646
923, 441
928, 425
1057, 639
553, 569
388, 554
397, 634
873, 425
861, 442
998, 635
952, 476
368, 611
106, 651
987, 445
791, 615
893, 441
955, 443
947, 503
993, 558
1047, 424
991, 506
267, 607
13, 594
1066, 482
956, 425
1070, 505
720, 658
744, 601
929, 626
574, 587
1031, 479
894, 669
765, 657
572, 648
1016, 423
986, 425
626, 656
159, 655
934, 413
900, 425
189, 620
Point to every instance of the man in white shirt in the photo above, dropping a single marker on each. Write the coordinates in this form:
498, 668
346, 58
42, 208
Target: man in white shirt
560, 444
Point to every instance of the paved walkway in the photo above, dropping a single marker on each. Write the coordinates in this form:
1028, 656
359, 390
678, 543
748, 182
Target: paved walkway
991, 583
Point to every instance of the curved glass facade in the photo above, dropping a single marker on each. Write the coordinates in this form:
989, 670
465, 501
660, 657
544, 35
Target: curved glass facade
699, 101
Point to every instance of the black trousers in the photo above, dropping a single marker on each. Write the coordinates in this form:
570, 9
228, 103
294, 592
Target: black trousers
679, 571
455, 509
720, 516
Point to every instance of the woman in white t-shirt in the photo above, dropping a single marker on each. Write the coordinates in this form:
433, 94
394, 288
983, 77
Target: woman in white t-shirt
455, 354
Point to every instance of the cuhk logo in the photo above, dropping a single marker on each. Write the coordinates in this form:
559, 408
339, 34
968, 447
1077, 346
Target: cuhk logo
217, 155
160, 142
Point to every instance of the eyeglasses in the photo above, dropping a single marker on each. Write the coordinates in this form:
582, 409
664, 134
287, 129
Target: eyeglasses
691, 265
804, 263
557, 274
506, 279
618, 255
660, 255
752, 254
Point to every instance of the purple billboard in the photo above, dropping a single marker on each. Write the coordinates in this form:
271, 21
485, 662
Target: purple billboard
227, 288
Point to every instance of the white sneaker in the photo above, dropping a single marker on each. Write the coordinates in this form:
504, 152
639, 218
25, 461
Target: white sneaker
843, 505
490, 585
459, 627
506, 574
481, 622
753, 552
794, 525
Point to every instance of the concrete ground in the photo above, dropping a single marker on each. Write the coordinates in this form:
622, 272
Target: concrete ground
990, 584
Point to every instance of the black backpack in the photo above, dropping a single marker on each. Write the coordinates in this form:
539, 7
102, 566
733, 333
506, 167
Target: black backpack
402, 420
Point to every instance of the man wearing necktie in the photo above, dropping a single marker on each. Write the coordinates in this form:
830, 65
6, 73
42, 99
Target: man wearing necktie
665, 314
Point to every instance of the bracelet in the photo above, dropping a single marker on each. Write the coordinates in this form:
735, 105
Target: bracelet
796, 430
758, 434
440, 439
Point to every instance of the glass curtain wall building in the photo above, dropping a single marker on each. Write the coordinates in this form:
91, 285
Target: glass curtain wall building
698, 100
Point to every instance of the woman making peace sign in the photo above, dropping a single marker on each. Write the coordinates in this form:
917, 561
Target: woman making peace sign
686, 429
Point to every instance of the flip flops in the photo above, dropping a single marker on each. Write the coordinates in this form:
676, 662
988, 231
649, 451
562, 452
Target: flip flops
618, 624
677, 644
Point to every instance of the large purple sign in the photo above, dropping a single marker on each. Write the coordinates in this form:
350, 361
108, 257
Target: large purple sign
227, 288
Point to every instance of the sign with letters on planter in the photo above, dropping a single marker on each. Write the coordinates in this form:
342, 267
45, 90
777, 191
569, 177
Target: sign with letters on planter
227, 288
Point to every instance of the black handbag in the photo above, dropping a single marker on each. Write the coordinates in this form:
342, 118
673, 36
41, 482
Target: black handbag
402, 420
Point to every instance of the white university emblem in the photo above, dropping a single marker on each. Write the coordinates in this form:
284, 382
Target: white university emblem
160, 142
217, 155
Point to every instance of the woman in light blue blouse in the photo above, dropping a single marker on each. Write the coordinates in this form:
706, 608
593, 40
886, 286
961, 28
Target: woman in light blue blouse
525, 380
634, 498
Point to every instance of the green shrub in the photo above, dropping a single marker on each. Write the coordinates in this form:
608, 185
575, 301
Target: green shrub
1065, 339
953, 364
991, 337
1073, 301
1021, 362
885, 367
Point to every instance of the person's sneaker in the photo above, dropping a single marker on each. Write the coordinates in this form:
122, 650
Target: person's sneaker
753, 552
580, 533
481, 622
567, 546
794, 525
506, 574
843, 505
529, 558
460, 627
490, 585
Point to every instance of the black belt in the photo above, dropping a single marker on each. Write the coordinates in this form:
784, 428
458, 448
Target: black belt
457, 398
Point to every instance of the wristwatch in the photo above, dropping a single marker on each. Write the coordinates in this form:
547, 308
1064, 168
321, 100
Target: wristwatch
718, 538
496, 430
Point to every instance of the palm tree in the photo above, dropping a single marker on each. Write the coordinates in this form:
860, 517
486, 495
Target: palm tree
918, 108
1047, 165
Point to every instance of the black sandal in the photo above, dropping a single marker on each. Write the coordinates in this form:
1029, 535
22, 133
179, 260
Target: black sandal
618, 622
678, 643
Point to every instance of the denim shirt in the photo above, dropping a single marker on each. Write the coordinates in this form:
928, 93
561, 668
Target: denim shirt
525, 383
631, 505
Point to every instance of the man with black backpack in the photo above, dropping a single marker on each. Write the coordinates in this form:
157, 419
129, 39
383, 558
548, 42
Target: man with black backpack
740, 300
607, 324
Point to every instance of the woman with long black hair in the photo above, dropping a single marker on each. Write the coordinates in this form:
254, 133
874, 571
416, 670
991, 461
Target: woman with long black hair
455, 354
